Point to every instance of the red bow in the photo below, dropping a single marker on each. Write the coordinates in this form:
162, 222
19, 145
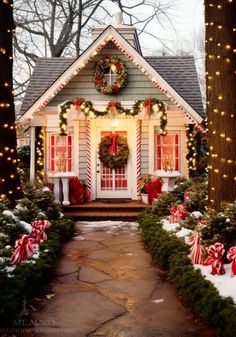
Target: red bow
187, 195
98, 81
231, 256
113, 104
177, 213
24, 248
118, 65
216, 252
113, 147
78, 102
148, 103
41, 224
197, 251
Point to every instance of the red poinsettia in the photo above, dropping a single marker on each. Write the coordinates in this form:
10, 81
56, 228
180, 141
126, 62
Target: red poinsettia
113, 104
115, 89
118, 65
98, 81
78, 102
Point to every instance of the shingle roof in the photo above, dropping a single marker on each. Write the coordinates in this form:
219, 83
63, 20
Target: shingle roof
179, 72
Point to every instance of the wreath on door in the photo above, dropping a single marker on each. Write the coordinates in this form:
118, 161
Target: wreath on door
113, 151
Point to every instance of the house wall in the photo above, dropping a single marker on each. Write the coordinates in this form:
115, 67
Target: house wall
138, 86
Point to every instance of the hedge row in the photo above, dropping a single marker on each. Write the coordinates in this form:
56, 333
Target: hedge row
28, 278
171, 253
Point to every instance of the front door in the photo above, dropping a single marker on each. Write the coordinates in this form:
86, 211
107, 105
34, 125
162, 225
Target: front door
113, 183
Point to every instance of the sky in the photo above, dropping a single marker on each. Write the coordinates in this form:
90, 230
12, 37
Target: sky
181, 31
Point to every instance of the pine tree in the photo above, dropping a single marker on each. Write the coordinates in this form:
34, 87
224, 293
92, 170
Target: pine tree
221, 99
9, 180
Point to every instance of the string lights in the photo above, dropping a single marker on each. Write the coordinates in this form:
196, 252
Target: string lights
221, 101
9, 179
39, 139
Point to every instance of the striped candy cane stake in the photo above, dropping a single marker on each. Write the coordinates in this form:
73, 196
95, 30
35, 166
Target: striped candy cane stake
88, 160
138, 153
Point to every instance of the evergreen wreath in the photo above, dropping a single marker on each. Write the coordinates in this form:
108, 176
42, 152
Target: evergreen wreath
116, 66
113, 160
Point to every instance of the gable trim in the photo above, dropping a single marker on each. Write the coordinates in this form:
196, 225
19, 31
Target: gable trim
109, 34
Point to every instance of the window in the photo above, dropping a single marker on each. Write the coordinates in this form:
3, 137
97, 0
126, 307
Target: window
167, 151
110, 75
60, 153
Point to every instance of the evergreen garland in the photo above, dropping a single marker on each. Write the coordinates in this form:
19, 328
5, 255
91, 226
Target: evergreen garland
86, 107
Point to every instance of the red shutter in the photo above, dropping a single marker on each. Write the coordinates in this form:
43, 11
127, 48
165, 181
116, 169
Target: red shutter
158, 152
177, 152
52, 159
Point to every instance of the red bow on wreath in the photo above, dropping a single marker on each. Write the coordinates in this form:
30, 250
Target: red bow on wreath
78, 102
148, 103
231, 256
113, 147
113, 104
216, 252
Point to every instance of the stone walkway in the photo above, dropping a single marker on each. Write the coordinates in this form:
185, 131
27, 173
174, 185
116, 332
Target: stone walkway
106, 285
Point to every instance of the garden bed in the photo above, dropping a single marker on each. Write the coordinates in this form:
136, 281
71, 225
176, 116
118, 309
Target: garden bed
171, 253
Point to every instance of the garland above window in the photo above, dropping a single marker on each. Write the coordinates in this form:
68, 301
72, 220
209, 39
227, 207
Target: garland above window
142, 108
116, 75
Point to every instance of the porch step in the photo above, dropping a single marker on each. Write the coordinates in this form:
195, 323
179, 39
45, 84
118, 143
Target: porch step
106, 210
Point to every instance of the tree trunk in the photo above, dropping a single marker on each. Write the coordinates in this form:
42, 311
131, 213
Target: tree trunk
221, 99
9, 181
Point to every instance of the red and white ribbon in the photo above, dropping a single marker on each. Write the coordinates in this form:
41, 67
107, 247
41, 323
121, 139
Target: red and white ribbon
25, 247
88, 159
201, 223
41, 224
187, 195
177, 213
231, 256
216, 252
197, 251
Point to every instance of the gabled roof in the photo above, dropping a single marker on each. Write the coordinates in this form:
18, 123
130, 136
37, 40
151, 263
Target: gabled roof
52, 74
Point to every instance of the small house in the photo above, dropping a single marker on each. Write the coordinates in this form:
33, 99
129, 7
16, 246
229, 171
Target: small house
112, 115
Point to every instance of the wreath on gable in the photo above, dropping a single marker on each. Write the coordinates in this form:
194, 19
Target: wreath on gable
113, 151
113, 66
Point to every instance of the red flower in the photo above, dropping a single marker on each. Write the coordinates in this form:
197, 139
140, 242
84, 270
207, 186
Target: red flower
113, 104
115, 89
78, 102
98, 81
148, 103
118, 65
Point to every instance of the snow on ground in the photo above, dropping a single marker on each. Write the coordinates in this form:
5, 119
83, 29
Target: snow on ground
225, 284
106, 226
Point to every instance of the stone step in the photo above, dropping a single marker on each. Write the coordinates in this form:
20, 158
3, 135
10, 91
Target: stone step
111, 210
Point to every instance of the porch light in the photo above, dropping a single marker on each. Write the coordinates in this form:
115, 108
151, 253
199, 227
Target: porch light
115, 122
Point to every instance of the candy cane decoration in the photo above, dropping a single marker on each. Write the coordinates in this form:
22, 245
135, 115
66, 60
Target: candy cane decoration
88, 160
197, 251
138, 153
216, 252
24, 248
231, 256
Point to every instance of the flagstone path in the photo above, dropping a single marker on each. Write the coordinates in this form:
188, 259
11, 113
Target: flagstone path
106, 285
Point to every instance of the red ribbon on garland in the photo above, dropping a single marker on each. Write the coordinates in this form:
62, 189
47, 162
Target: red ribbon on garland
197, 251
231, 256
216, 252
113, 147
24, 248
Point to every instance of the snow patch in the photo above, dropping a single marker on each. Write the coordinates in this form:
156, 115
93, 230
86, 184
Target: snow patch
197, 214
225, 284
26, 226
9, 213
160, 300
169, 227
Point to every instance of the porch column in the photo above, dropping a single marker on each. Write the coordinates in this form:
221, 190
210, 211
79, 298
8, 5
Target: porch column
32, 153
